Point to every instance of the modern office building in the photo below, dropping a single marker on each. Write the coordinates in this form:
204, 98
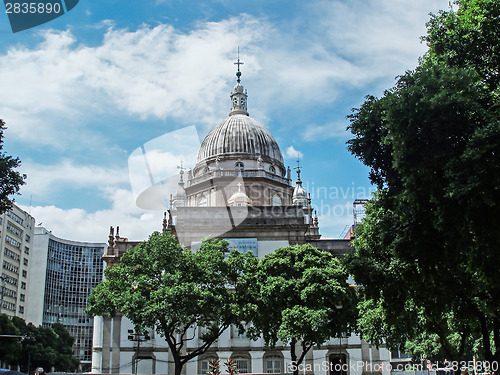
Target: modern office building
65, 273
16, 240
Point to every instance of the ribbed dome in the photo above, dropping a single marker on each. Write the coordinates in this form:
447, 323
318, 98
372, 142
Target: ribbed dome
239, 135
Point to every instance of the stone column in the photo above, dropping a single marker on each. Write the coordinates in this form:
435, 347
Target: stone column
257, 362
106, 349
117, 325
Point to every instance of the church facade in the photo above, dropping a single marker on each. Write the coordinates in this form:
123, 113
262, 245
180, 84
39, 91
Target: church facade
239, 190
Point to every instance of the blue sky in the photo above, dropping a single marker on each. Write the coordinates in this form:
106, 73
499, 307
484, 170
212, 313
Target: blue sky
82, 92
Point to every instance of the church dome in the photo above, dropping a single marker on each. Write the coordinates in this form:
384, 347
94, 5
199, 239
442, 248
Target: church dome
240, 136
239, 198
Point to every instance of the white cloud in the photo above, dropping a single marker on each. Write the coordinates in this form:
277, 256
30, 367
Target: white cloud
161, 72
80, 225
46, 179
314, 132
150, 72
292, 153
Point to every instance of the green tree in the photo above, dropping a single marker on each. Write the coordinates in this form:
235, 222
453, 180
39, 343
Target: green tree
427, 252
65, 360
9, 346
468, 38
299, 295
10, 179
160, 285
46, 347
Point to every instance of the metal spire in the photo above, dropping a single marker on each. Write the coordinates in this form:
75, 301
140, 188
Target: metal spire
297, 168
238, 73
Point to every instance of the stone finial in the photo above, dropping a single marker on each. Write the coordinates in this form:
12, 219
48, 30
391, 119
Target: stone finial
165, 223
111, 240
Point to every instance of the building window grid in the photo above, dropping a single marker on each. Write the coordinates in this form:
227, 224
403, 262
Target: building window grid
9, 306
72, 272
9, 279
12, 254
14, 217
13, 229
12, 242
10, 267
9, 293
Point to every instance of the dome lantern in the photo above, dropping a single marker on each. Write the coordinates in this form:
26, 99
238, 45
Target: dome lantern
239, 95
299, 197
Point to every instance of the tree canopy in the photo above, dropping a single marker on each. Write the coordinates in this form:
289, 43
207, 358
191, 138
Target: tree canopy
427, 251
298, 295
45, 347
10, 179
160, 285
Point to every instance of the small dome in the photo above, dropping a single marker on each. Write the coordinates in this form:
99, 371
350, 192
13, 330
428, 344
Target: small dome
239, 198
240, 136
180, 197
238, 88
299, 196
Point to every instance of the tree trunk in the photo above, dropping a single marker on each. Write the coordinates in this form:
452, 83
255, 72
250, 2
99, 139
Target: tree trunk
178, 366
293, 356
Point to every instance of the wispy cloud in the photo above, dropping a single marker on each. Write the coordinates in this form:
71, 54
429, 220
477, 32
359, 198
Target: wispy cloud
315, 132
292, 153
81, 225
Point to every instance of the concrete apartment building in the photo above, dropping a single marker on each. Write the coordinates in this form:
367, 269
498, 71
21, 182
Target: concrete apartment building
16, 241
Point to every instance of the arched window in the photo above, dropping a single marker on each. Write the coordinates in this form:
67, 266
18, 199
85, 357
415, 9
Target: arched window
242, 364
204, 364
239, 166
276, 200
273, 364
203, 201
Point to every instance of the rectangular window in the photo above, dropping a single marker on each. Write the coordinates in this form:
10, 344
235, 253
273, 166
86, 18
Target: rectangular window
11, 254
12, 242
10, 267
26, 250
25, 261
9, 279
242, 365
13, 229
14, 217
273, 365
22, 297
25, 273
27, 238
21, 309
23, 285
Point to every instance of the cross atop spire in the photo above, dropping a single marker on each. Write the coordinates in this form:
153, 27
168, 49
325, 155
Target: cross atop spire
238, 73
181, 167
181, 172
297, 168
